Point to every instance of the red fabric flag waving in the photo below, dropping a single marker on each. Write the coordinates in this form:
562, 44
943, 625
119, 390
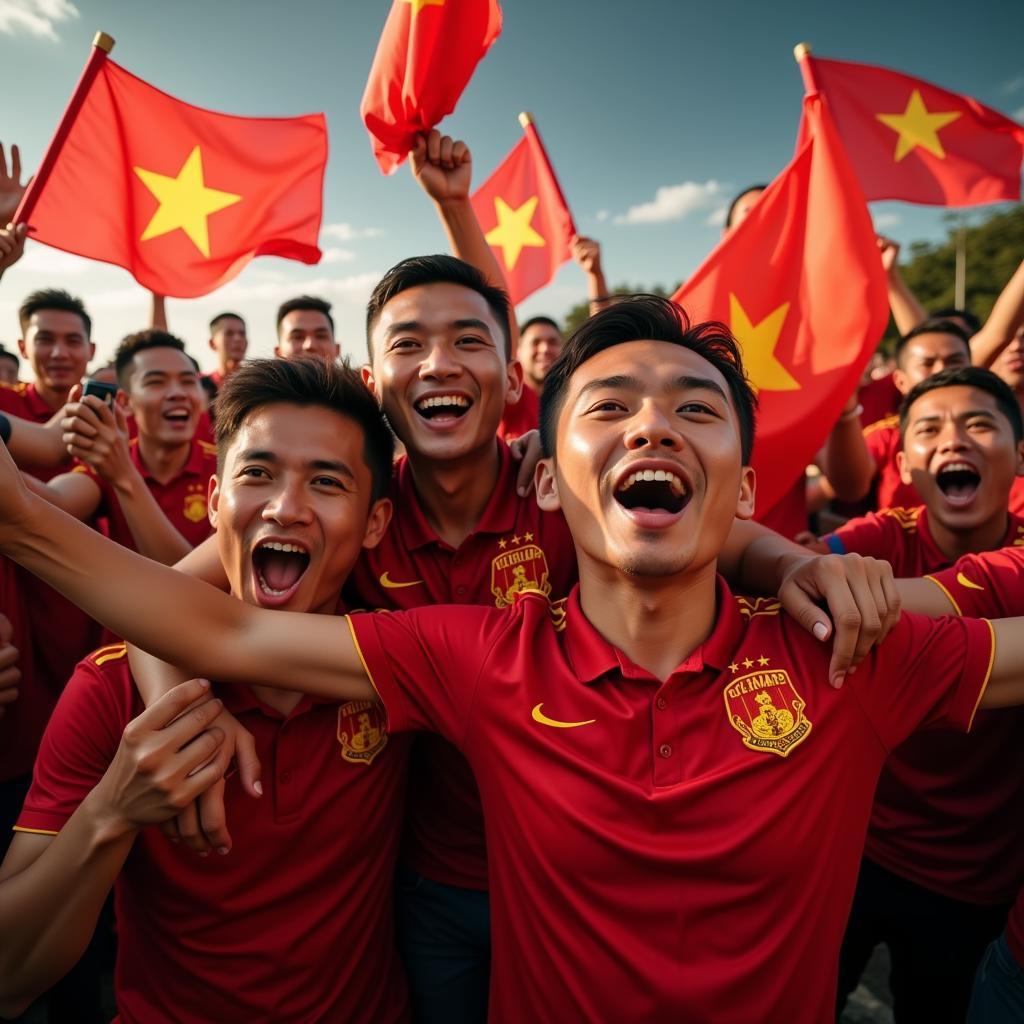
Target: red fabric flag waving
181, 197
524, 217
908, 139
426, 56
801, 284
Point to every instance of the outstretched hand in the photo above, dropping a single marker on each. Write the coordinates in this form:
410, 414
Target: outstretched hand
443, 166
11, 188
10, 674
12, 245
526, 450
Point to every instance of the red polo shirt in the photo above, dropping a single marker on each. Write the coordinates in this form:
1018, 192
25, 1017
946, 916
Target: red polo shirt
182, 499
880, 398
947, 813
991, 584
788, 515
295, 924
23, 722
515, 546
883, 441
520, 417
24, 400
684, 850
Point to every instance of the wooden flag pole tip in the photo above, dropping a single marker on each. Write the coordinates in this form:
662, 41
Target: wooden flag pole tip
103, 42
526, 119
800, 51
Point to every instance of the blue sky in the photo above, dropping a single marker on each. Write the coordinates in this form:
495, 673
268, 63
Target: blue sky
654, 114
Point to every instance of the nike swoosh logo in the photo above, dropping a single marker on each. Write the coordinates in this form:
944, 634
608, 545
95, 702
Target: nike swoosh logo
390, 584
965, 582
539, 716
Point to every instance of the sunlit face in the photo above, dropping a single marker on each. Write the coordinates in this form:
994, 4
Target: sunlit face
440, 372
959, 452
292, 507
927, 355
228, 339
8, 370
57, 348
539, 346
306, 332
1009, 364
647, 467
742, 208
164, 395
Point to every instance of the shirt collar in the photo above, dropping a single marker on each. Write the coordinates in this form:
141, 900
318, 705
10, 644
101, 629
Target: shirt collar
499, 515
593, 657
36, 404
194, 464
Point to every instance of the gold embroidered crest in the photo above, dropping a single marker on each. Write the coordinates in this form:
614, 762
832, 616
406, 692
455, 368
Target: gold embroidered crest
765, 709
195, 506
361, 731
518, 571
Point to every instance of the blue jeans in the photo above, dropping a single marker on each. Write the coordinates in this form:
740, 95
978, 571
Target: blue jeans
444, 936
998, 996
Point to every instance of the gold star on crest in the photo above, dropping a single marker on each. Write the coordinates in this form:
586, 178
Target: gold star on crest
502, 544
733, 667
418, 5
747, 663
185, 202
527, 537
757, 342
513, 231
762, 661
918, 126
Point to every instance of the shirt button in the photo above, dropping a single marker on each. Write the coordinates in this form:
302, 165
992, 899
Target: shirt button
662, 703
285, 777
665, 750
460, 590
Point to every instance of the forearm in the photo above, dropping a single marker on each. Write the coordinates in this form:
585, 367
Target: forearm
1002, 323
755, 559
924, 597
1006, 679
48, 911
158, 313
597, 290
51, 495
846, 462
154, 534
906, 310
36, 444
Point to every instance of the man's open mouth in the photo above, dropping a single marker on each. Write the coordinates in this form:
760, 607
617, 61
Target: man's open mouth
177, 415
443, 407
653, 490
959, 482
279, 567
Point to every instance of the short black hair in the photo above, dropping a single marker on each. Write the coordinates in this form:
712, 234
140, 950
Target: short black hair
310, 302
437, 269
307, 382
933, 325
534, 320
6, 353
226, 316
968, 377
649, 317
973, 323
737, 198
53, 298
133, 344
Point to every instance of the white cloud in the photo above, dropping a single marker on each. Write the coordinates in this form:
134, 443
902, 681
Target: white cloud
1013, 84
673, 202
48, 262
716, 218
337, 256
35, 17
602, 215
887, 220
345, 232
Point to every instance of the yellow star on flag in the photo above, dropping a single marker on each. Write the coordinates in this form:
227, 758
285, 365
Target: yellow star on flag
185, 202
418, 5
513, 232
917, 126
757, 343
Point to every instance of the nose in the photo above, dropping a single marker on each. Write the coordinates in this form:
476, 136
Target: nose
651, 427
952, 437
438, 364
288, 505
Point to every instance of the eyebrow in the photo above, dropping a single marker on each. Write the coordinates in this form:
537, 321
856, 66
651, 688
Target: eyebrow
327, 465
417, 325
988, 413
626, 382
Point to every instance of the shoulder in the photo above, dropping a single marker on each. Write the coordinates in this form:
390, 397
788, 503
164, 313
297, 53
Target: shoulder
207, 450
899, 518
883, 427
13, 397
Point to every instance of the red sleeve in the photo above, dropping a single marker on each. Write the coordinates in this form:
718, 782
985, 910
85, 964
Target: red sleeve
929, 672
876, 437
78, 745
106, 490
989, 585
872, 534
425, 664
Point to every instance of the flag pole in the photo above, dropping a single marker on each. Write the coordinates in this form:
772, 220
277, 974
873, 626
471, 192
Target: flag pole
530, 129
102, 44
802, 54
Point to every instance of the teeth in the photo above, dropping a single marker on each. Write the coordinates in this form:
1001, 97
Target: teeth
274, 545
958, 467
440, 401
651, 475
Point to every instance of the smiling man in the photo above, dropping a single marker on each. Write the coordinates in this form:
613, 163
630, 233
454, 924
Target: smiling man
296, 923
305, 327
230, 343
671, 830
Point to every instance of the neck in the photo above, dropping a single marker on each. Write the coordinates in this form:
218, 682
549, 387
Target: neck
536, 386
656, 622
55, 398
163, 461
986, 536
453, 495
227, 366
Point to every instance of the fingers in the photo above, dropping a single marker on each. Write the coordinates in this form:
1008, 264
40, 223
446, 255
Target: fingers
189, 831
10, 674
212, 818
891, 596
3, 161
6, 629
8, 693
460, 154
16, 164
161, 713
249, 768
434, 146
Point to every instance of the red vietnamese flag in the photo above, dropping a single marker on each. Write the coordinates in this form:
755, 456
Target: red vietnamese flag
524, 216
801, 285
908, 139
181, 197
426, 56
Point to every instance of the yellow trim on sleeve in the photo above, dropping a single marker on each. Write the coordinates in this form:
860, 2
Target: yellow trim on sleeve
359, 652
35, 831
988, 673
952, 600
112, 652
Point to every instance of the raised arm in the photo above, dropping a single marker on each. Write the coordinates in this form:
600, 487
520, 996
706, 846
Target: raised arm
36, 444
906, 310
1006, 318
846, 462
587, 254
179, 619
